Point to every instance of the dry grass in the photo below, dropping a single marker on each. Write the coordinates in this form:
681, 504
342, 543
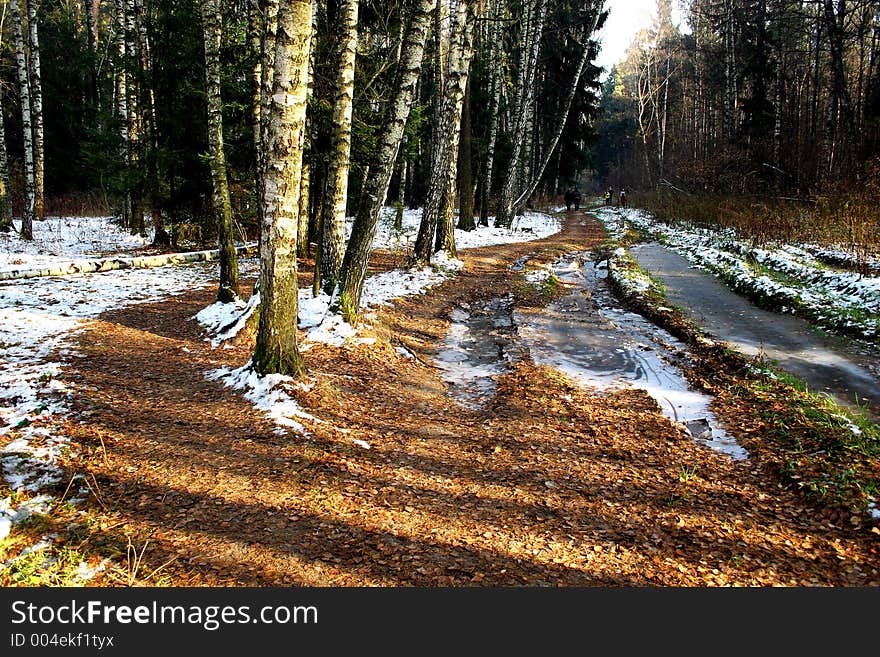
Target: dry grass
849, 219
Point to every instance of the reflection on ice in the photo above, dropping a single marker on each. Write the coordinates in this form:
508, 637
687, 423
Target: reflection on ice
588, 336
476, 347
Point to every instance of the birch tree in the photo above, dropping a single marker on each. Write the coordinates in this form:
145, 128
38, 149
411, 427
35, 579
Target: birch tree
276, 350
438, 213
357, 253
228, 288
132, 63
522, 181
533, 31
6, 224
496, 65
305, 194
730, 71
465, 173
333, 210
27, 219
36, 83
120, 90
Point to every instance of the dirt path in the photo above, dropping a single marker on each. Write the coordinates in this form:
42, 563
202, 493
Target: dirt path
547, 485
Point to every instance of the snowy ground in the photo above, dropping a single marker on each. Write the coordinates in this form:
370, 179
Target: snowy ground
65, 238
527, 227
792, 278
39, 316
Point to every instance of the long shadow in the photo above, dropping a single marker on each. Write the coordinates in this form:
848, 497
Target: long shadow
483, 510
331, 542
213, 443
370, 553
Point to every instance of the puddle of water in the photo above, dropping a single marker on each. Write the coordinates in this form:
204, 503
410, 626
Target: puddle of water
591, 338
587, 335
520, 263
477, 348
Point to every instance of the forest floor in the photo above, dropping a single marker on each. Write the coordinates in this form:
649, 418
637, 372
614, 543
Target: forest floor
396, 483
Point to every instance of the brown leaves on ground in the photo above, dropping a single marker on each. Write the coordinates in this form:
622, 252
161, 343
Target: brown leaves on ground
545, 484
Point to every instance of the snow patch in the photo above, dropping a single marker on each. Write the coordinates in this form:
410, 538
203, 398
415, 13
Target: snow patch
59, 239
268, 393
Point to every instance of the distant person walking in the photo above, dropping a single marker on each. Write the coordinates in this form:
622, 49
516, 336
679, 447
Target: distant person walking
622, 198
609, 196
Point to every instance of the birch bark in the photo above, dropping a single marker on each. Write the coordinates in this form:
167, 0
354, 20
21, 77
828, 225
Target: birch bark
513, 181
357, 253
228, 288
36, 82
276, 350
333, 220
27, 219
438, 215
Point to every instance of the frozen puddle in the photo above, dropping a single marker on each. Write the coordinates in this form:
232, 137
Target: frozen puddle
477, 348
592, 339
588, 336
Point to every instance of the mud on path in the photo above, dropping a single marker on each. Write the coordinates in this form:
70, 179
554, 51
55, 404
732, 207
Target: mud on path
545, 485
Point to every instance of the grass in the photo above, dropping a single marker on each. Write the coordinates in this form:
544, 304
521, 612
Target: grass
687, 473
75, 548
536, 294
846, 217
548, 288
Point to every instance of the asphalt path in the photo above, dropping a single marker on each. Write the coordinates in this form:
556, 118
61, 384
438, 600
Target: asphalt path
828, 364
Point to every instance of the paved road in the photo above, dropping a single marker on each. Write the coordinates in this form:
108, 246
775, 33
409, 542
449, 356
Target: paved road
827, 363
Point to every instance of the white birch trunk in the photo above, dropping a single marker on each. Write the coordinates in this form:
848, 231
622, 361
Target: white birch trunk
438, 205
267, 70
276, 349
333, 220
122, 109
532, 184
135, 123
305, 194
27, 219
357, 253
496, 72
37, 109
464, 50
513, 181
780, 79
729, 117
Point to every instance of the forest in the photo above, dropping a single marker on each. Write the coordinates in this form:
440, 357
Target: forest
767, 103
415, 293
